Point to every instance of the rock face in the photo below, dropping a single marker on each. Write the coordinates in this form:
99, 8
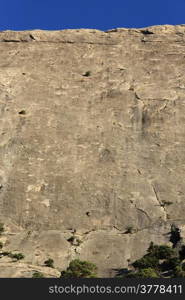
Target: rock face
92, 144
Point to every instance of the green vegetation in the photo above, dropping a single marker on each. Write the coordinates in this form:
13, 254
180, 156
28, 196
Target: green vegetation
160, 252
147, 273
146, 262
37, 274
175, 237
170, 264
16, 256
79, 269
179, 272
49, 263
160, 261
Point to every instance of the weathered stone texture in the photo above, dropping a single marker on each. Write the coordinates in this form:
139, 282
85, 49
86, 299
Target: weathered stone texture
89, 154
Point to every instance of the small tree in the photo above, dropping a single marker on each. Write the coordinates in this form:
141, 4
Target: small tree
143, 273
1, 245
79, 269
49, 263
179, 272
170, 264
146, 262
175, 236
160, 251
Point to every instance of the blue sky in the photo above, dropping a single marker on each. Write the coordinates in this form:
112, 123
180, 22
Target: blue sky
98, 14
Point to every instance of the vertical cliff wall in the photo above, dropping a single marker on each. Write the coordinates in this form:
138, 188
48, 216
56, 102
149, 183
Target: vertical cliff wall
92, 139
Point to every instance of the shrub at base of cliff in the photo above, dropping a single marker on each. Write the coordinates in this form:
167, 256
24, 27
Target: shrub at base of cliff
160, 252
144, 273
146, 262
80, 269
148, 273
160, 261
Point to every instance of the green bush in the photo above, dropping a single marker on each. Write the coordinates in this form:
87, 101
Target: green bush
17, 256
78, 269
170, 264
179, 272
146, 262
175, 236
37, 274
160, 251
143, 273
1, 245
131, 274
160, 261
49, 263
147, 273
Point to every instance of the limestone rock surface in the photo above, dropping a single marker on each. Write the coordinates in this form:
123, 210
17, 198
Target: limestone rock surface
92, 144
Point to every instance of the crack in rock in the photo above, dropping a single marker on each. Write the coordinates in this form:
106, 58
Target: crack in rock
57, 42
160, 203
143, 211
